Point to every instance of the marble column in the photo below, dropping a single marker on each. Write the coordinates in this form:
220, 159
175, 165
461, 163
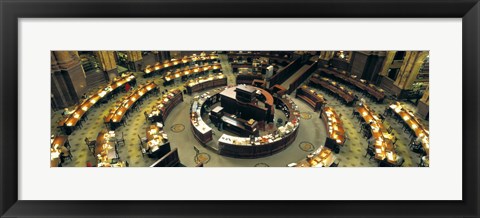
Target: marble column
387, 63
161, 56
423, 104
108, 63
367, 64
349, 56
175, 54
410, 68
135, 60
325, 57
165, 55
407, 73
68, 80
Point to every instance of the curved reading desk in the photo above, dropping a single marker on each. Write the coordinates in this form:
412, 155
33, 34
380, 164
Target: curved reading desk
170, 76
384, 148
69, 123
374, 91
335, 131
116, 115
322, 157
315, 100
167, 65
202, 83
165, 105
347, 96
416, 126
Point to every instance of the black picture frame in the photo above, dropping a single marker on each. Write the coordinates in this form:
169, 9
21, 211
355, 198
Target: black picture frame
11, 11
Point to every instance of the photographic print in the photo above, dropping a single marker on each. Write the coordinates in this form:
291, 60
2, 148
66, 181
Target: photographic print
239, 109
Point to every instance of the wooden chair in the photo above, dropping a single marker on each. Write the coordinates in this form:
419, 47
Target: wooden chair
390, 129
107, 125
116, 159
142, 140
63, 157
142, 148
146, 116
401, 163
370, 152
279, 122
121, 141
90, 145
335, 164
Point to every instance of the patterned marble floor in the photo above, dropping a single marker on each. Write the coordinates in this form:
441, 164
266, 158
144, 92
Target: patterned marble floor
177, 126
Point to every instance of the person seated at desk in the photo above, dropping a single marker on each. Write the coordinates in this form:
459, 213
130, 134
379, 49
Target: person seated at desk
417, 143
424, 161
67, 112
63, 151
362, 101
399, 161
371, 141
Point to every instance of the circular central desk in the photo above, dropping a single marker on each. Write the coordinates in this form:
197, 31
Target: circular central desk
245, 147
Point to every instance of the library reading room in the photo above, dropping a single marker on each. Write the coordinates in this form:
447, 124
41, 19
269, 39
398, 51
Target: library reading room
239, 109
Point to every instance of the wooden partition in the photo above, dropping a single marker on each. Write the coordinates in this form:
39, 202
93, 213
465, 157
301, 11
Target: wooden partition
315, 100
285, 72
247, 78
377, 93
295, 84
206, 83
170, 159
339, 63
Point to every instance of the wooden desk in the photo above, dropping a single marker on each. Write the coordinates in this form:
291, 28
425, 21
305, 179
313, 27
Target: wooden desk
347, 96
157, 142
81, 109
241, 65
322, 157
256, 65
233, 103
172, 75
203, 83
275, 57
239, 126
201, 131
60, 140
301, 75
175, 62
265, 145
259, 83
284, 73
56, 145
279, 89
118, 112
168, 160
105, 147
155, 133
165, 105
374, 91
384, 147
311, 97
415, 125
247, 78
334, 127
